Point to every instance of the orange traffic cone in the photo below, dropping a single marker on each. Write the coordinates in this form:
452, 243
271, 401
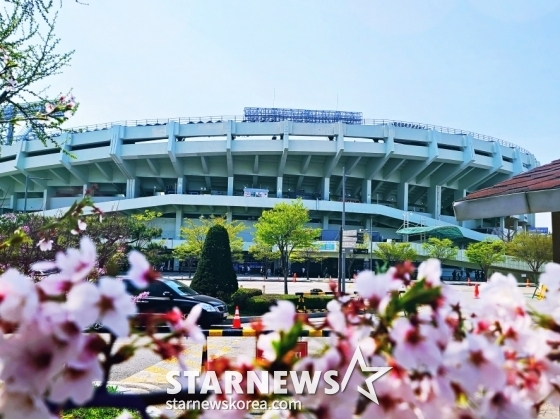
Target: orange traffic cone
475, 290
236, 319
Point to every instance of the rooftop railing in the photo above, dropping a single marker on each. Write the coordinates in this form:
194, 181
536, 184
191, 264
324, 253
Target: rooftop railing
237, 118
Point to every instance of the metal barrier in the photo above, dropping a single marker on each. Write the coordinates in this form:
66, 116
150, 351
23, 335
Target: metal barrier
225, 333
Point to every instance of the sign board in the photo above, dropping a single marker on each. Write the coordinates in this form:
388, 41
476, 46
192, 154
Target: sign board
350, 233
539, 230
300, 351
350, 245
301, 115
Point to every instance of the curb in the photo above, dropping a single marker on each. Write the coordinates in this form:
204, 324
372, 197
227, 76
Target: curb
249, 319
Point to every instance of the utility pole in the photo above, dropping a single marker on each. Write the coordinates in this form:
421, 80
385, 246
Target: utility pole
343, 226
370, 243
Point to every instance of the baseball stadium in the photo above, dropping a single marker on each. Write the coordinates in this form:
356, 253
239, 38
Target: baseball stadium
396, 180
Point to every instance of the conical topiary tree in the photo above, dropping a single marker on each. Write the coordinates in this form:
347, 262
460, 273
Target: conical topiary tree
215, 275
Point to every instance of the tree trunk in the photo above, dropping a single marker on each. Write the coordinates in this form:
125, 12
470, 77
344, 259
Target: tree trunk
307, 269
285, 272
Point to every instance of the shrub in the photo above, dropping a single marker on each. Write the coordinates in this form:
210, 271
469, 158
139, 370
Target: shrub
240, 297
214, 275
99, 412
260, 304
317, 302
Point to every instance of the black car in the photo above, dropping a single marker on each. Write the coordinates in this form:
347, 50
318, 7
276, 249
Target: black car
163, 295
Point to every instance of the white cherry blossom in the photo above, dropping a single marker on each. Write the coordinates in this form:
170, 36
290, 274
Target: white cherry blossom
281, 316
140, 272
108, 303
430, 271
18, 297
77, 264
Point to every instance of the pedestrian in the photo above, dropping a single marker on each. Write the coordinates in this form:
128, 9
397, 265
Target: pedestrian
295, 277
454, 275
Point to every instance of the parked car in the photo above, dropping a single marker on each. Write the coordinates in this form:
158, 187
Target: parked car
163, 295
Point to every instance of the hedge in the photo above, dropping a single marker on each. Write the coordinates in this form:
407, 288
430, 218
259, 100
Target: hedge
240, 297
260, 304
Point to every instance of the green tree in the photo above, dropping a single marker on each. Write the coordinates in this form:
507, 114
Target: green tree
307, 255
195, 235
264, 253
393, 253
284, 228
533, 249
214, 274
440, 248
486, 253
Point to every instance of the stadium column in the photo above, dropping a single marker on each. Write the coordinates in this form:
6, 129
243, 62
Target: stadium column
434, 201
132, 188
177, 236
279, 181
325, 222
85, 188
326, 188
502, 223
458, 195
229, 127
366, 191
47, 193
181, 185
402, 196
230, 185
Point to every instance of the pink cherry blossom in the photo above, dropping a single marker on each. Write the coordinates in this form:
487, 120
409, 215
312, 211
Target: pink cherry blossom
32, 359
15, 405
188, 325
506, 404
45, 244
430, 271
18, 297
413, 348
281, 316
76, 381
375, 288
108, 304
476, 362
140, 272
53, 319
82, 225
77, 264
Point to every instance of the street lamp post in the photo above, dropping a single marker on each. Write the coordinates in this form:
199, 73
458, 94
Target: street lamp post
341, 253
27, 177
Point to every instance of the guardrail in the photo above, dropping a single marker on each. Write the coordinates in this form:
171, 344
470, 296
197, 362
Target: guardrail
240, 118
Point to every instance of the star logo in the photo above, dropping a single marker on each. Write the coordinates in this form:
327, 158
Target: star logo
358, 358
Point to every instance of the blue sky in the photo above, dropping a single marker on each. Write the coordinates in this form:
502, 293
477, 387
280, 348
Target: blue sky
489, 66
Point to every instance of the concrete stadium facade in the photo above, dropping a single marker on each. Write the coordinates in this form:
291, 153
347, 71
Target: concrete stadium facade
396, 172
